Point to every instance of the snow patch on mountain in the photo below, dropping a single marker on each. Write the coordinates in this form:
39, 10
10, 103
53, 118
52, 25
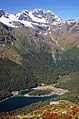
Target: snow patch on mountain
40, 20
6, 21
27, 23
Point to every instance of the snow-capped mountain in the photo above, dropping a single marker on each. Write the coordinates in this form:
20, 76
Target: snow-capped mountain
40, 21
37, 19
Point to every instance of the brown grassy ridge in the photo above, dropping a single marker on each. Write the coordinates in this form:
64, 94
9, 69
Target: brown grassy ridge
7, 52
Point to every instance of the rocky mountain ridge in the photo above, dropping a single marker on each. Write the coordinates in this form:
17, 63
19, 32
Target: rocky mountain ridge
37, 19
40, 21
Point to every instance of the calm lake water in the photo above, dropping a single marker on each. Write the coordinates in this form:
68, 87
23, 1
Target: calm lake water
21, 101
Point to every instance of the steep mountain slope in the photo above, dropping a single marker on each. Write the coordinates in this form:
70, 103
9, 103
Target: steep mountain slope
7, 38
25, 61
70, 34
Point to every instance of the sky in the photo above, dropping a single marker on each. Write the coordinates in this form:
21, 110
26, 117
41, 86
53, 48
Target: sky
65, 9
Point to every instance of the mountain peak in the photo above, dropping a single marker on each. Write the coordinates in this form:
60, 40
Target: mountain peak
49, 11
2, 13
71, 21
38, 10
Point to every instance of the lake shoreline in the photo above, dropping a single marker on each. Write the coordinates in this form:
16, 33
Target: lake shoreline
19, 99
54, 91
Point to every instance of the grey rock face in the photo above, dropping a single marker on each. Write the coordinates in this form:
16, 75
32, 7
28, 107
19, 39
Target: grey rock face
5, 34
24, 16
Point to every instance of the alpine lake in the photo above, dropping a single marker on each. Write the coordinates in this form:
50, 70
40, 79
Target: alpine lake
19, 101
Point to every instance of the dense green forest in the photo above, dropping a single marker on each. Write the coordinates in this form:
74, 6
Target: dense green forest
14, 77
71, 84
40, 68
39, 92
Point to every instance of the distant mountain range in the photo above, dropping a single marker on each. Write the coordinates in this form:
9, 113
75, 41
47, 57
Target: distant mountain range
43, 22
38, 19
